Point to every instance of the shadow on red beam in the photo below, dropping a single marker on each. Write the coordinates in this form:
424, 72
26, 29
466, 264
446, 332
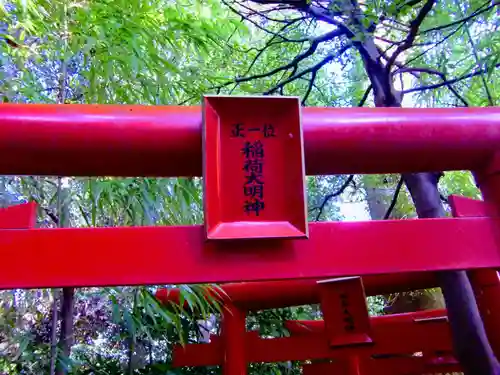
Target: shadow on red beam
277, 294
399, 335
166, 141
386, 366
175, 255
300, 327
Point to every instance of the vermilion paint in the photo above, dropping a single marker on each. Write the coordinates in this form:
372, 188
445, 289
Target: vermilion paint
253, 168
121, 140
400, 334
279, 294
176, 255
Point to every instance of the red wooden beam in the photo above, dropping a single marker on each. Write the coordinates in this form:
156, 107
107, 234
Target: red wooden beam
19, 216
400, 335
166, 141
276, 294
300, 327
384, 366
175, 255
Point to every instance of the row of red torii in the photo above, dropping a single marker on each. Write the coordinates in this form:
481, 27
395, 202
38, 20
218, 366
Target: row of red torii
253, 154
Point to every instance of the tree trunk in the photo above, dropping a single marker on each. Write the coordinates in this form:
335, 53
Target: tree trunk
471, 345
378, 200
66, 336
53, 334
67, 295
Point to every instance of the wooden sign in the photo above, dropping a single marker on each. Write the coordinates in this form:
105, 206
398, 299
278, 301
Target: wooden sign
253, 168
343, 303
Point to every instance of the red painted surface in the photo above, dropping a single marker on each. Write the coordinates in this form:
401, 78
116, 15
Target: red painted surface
166, 141
392, 365
144, 255
386, 366
486, 283
20, 216
468, 207
422, 318
277, 294
397, 336
253, 168
343, 303
234, 333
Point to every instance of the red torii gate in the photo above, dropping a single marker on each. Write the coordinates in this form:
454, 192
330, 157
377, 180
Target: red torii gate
152, 141
395, 337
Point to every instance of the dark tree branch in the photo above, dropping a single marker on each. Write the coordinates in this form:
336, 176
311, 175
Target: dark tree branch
440, 75
327, 198
271, 41
365, 96
448, 82
391, 42
294, 3
443, 199
394, 199
328, 17
312, 69
264, 15
436, 44
396, 28
268, 45
309, 52
319, 89
398, 64
256, 24
414, 27
476, 13
309, 87
409, 3
394, 43
476, 57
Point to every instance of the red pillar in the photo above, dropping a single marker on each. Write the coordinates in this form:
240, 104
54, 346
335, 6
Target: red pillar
234, 333
486, 283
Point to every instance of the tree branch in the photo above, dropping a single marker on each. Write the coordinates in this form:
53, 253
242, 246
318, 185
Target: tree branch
309, 52
309, 87
409, 3
327, 198
269, 44
414, 27
394, 199
476, 57
440, 75
365, 96
436, 44
448, 82
256, 24
311, 69
264, 15
477, 12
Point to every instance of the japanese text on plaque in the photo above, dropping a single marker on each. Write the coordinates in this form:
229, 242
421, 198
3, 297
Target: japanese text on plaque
253, 165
